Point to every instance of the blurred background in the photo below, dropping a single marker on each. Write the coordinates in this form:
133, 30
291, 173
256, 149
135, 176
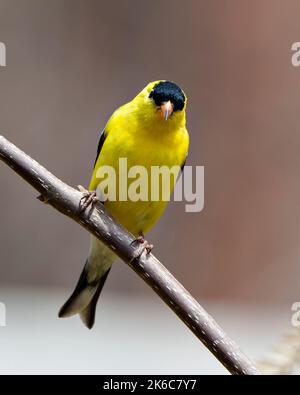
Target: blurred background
70, 63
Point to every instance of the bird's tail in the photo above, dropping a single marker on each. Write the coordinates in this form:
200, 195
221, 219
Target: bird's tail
84, 299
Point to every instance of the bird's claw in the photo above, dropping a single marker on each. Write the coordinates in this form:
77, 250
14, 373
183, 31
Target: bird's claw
145, 246
148, 248
89, 198
139, 240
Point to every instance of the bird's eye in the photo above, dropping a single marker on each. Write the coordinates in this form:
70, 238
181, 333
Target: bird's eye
151, 94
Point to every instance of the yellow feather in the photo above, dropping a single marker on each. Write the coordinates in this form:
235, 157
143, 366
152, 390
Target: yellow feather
138, 132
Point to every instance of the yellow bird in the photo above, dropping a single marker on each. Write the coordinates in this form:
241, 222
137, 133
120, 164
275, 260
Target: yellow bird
149, 131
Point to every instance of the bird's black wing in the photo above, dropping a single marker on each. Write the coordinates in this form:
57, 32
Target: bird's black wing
181, 169
103, 136
182, 166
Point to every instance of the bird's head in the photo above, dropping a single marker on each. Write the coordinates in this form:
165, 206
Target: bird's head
164, 101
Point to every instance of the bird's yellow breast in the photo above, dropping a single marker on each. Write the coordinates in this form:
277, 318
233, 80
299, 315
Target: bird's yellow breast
143, 139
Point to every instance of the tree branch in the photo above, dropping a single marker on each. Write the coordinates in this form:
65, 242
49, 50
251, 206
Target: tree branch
100, 223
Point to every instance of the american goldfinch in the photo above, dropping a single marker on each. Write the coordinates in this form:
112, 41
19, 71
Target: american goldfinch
148, 131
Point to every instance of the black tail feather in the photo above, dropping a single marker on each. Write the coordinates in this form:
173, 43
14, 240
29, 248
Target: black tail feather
88, 314
84, 299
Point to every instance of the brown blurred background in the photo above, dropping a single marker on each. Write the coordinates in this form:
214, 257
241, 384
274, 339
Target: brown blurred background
70, 63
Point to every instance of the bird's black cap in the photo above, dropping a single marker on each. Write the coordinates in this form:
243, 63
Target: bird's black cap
165, 91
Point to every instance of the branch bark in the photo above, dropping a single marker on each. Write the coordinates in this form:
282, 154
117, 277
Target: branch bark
101, 224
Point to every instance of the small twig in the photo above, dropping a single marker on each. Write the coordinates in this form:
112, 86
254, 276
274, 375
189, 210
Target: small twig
101, 224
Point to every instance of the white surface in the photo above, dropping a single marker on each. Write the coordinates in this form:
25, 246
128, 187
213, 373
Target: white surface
131, 336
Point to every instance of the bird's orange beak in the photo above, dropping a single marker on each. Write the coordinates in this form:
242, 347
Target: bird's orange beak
167, 109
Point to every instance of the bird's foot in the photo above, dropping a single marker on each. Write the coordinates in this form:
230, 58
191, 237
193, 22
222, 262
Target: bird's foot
145, 246
148, 247
89, 198
139, 240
